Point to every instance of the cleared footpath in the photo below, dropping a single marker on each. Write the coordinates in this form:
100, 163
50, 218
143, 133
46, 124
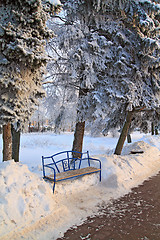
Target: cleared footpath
135, 216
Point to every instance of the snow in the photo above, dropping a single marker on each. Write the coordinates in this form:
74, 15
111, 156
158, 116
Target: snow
29, 210
55, 2
17, 203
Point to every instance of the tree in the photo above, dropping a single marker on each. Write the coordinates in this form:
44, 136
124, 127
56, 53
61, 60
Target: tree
79, 129
15, 141
23, 33
112, 50
62, 91
69, 41
121, 46
7, 142
60, 104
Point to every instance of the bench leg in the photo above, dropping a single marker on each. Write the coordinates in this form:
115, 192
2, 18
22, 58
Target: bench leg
53, 187
100, 176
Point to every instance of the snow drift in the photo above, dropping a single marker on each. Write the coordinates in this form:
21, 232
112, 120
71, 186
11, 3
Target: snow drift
26, 199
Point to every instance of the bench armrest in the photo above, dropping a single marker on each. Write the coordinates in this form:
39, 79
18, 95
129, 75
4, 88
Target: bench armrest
48, 166
95, 159
89, 163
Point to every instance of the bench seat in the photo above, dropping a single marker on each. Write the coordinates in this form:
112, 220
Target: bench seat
73, 173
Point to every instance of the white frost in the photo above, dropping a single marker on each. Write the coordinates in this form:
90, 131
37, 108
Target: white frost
54, 2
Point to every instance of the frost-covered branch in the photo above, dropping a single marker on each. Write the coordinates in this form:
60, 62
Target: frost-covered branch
114, 50
23, 35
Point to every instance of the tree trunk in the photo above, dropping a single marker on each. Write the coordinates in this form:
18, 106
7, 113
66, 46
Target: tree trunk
156, 130
7, 142
78, 138
123, 134
15, 144
29, 127
58, 120
79, 130
129, 140
152, 128
38, 127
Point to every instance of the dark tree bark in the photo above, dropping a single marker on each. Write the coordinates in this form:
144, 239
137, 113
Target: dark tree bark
124, 133
129, 140
152, 128
29, 127
79, 129
7, 142
58, 120
156, 130
78, 138
15, 144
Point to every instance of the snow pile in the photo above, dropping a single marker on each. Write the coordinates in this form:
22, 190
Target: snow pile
24, 197
28, 207
130, 170
138, 147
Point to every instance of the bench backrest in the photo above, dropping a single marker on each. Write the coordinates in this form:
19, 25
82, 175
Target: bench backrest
64, 161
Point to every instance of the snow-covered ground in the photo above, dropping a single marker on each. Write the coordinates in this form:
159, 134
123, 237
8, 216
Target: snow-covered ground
28, 208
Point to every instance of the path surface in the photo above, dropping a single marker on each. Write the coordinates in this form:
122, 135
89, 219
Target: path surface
135, 216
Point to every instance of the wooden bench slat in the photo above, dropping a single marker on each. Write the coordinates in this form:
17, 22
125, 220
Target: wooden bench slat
73, 173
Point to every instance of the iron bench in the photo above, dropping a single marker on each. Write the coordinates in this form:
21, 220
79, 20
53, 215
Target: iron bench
62, 166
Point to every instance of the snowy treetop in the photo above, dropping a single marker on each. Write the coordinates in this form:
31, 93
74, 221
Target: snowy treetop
115, 55
23, 35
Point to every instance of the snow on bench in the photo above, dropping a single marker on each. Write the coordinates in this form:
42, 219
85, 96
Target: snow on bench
62, 166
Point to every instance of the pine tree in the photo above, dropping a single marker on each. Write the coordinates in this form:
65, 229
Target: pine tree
23, 33
121, 49
113, 51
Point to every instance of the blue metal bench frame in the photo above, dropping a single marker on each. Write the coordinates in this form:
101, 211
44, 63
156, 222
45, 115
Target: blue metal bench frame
68, 164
